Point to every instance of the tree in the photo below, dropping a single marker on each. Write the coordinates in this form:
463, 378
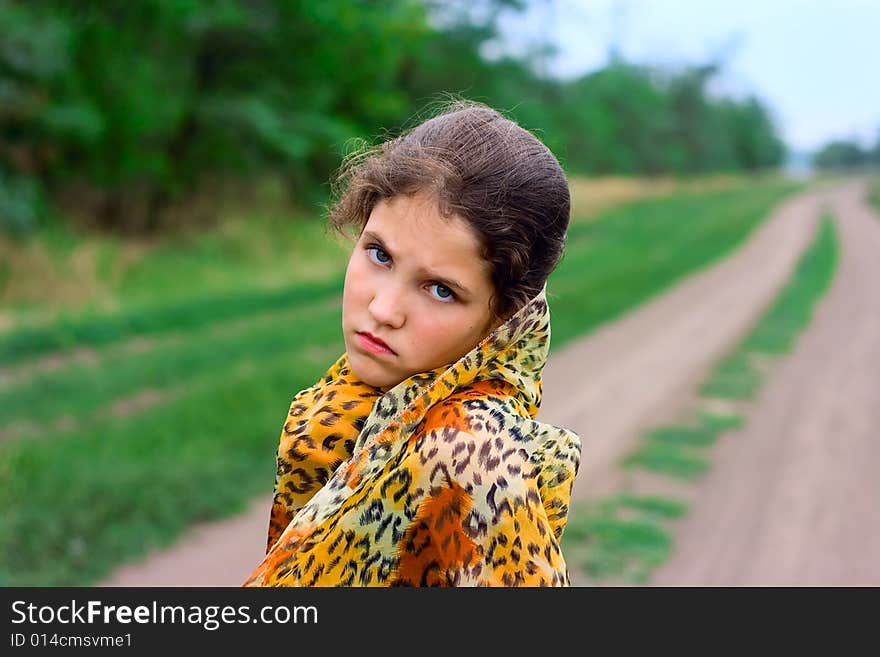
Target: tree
840, 154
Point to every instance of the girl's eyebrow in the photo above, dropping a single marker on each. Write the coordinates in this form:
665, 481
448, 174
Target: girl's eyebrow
444, 280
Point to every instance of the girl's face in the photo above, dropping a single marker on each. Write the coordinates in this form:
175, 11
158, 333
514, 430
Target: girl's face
417, 292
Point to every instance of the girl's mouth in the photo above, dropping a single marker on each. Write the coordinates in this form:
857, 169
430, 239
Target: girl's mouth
373, 344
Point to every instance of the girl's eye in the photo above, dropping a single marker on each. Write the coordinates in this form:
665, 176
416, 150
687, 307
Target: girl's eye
442, 292
377, 255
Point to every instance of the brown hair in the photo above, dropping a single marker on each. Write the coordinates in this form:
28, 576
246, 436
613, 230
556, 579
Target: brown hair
497, 176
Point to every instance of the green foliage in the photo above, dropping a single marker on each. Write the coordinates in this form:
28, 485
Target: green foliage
841, 154
142, 99
138, 103
636, 120
21, 204
750, 134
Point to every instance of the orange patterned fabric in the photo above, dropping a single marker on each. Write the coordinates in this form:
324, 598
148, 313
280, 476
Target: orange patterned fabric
447, 479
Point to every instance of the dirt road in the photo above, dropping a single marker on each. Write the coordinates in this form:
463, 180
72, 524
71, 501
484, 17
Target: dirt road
640, 370
793, 498
628, 375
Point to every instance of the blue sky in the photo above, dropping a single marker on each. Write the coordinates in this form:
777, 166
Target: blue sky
815, 63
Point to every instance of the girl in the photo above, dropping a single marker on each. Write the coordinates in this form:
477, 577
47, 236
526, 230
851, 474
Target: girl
416, 460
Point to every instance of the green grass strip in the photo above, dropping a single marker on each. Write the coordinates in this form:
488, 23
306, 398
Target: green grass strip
703, 434
874, 194
779, 326
671, 451
735, 377
79, 390
27, 343
621, 539
656, 507
793, 309
670, 460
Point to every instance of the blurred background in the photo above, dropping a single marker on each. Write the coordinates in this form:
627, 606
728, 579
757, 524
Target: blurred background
166, 280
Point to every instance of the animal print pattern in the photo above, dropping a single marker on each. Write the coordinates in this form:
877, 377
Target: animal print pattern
447, 479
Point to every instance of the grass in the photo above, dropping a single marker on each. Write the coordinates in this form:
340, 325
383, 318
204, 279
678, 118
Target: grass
108, 487
703, 434
672, 460
79, 390
24, 344
736, 376
874, 193
638, 250
675, 450
592, 196
78, 502
620, 539
260, 242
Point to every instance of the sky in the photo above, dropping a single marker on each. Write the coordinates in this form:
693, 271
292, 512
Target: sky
814, 63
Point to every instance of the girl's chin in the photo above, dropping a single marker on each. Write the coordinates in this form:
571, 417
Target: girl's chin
369, 373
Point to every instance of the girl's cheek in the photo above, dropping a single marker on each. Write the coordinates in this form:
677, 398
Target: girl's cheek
356, 274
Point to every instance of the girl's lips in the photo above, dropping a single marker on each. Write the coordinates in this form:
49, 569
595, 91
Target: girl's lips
373, 345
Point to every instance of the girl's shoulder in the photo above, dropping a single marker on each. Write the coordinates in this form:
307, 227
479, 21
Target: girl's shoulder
490, 410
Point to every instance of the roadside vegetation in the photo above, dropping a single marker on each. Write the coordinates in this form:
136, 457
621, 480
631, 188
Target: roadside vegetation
874, 192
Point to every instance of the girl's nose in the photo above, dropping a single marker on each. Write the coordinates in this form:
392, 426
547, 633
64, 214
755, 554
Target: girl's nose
387, 306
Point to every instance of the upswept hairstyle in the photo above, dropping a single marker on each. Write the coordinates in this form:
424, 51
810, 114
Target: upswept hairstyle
497, 176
